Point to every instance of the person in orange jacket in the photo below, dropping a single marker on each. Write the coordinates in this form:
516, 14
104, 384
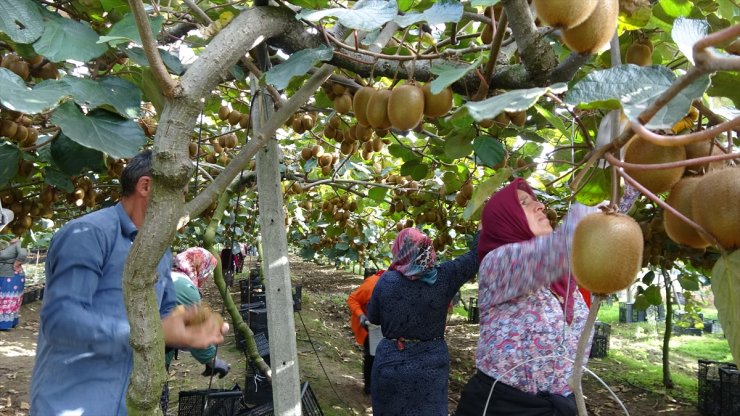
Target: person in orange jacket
357, 302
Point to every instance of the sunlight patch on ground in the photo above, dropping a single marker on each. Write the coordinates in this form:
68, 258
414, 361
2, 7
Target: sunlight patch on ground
15, 349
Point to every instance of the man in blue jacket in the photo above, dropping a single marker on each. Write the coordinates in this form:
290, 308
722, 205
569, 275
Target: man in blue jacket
83, 357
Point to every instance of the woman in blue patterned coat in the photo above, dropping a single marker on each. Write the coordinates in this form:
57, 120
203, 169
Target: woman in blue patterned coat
410, 303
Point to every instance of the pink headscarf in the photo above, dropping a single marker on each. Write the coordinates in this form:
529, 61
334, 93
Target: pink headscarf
504, 222
197, 263
414, 256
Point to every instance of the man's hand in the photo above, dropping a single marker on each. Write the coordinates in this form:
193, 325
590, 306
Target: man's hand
191, 328
363, 321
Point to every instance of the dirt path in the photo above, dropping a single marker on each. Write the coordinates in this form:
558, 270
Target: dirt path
329, 359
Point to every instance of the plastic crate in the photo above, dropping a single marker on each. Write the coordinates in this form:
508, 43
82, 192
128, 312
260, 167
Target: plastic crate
602, 329
473, 311
709, 390
260, 338
297, 295
257, 389
729, 378
680, 330
309, 405
255, 315
628, 313
213, 402
599, 347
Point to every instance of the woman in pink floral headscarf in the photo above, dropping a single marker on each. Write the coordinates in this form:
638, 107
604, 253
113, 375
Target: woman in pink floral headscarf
196, 263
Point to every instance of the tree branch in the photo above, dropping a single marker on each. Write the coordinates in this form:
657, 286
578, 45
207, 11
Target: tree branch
169, 86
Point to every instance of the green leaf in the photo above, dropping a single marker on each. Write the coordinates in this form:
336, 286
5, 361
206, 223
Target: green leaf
653, 295
111, 93
724, 84
416, 169
489, 150
21, 20
144, 79
9, 157
459, 143
366, 15
553, 119
648, 278
171, 61
72, 158
452, 182
377, 194
65, 39
641, 302
442, 11
597, 189
125, 30
483, 3
512, 101
686, 32
447, 74
676, 8
58, 179
689, 282
100, 130
635, 87
638, 19
726, 289
15, 95
482, 192
297, 64
403, 152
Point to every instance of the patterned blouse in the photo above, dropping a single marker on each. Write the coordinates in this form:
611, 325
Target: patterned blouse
524, 338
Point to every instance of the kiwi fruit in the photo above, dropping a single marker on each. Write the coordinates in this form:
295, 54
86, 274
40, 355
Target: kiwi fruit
518, 118
406, 107
680, 199
564, 14
486, 36
223, 112
715, 205
594, 33
467, 190
607, 252
702, 149
377, 109
306, 153
639, 54
641, 151
359, 104
234, 117
343, 103
436, 105
245, 122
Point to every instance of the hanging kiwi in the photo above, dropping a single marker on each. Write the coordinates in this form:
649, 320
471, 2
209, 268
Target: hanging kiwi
377, 109
639, 54
359, 104
702, 149
406, 107
680, 199
715, 205
518, 118
564, 14
223, 112
641, 151
343, 103
594, 33
436, 105
234, 117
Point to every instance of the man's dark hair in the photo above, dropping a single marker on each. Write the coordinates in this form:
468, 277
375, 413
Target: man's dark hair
139, 165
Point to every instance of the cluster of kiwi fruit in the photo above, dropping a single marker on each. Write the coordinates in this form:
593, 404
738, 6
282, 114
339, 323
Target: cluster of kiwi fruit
586, 26
503, 119
18, 127
302, 122
36, 67
325, 160
27, 208
234, 117
339, 208
84, 193
462, 197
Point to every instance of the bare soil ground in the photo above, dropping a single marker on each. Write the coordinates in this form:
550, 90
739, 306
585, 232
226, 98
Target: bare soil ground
329, 359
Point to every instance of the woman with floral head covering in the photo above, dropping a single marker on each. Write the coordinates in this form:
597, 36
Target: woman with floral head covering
410, 303
531, 313
12, 281
190, 269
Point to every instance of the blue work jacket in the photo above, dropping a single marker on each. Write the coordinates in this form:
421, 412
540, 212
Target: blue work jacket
83, 356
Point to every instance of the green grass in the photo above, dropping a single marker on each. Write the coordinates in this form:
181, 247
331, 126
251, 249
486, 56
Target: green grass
708, 347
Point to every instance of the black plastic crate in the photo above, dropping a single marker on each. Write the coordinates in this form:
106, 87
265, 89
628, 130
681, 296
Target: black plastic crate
628, 313
599, 347
602, 329
260, 339
255, 315
680, 330
656, 312
309, 405
712, 326
473, 311
297, 295
709, 389
729, 378
257, 390
213, 402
